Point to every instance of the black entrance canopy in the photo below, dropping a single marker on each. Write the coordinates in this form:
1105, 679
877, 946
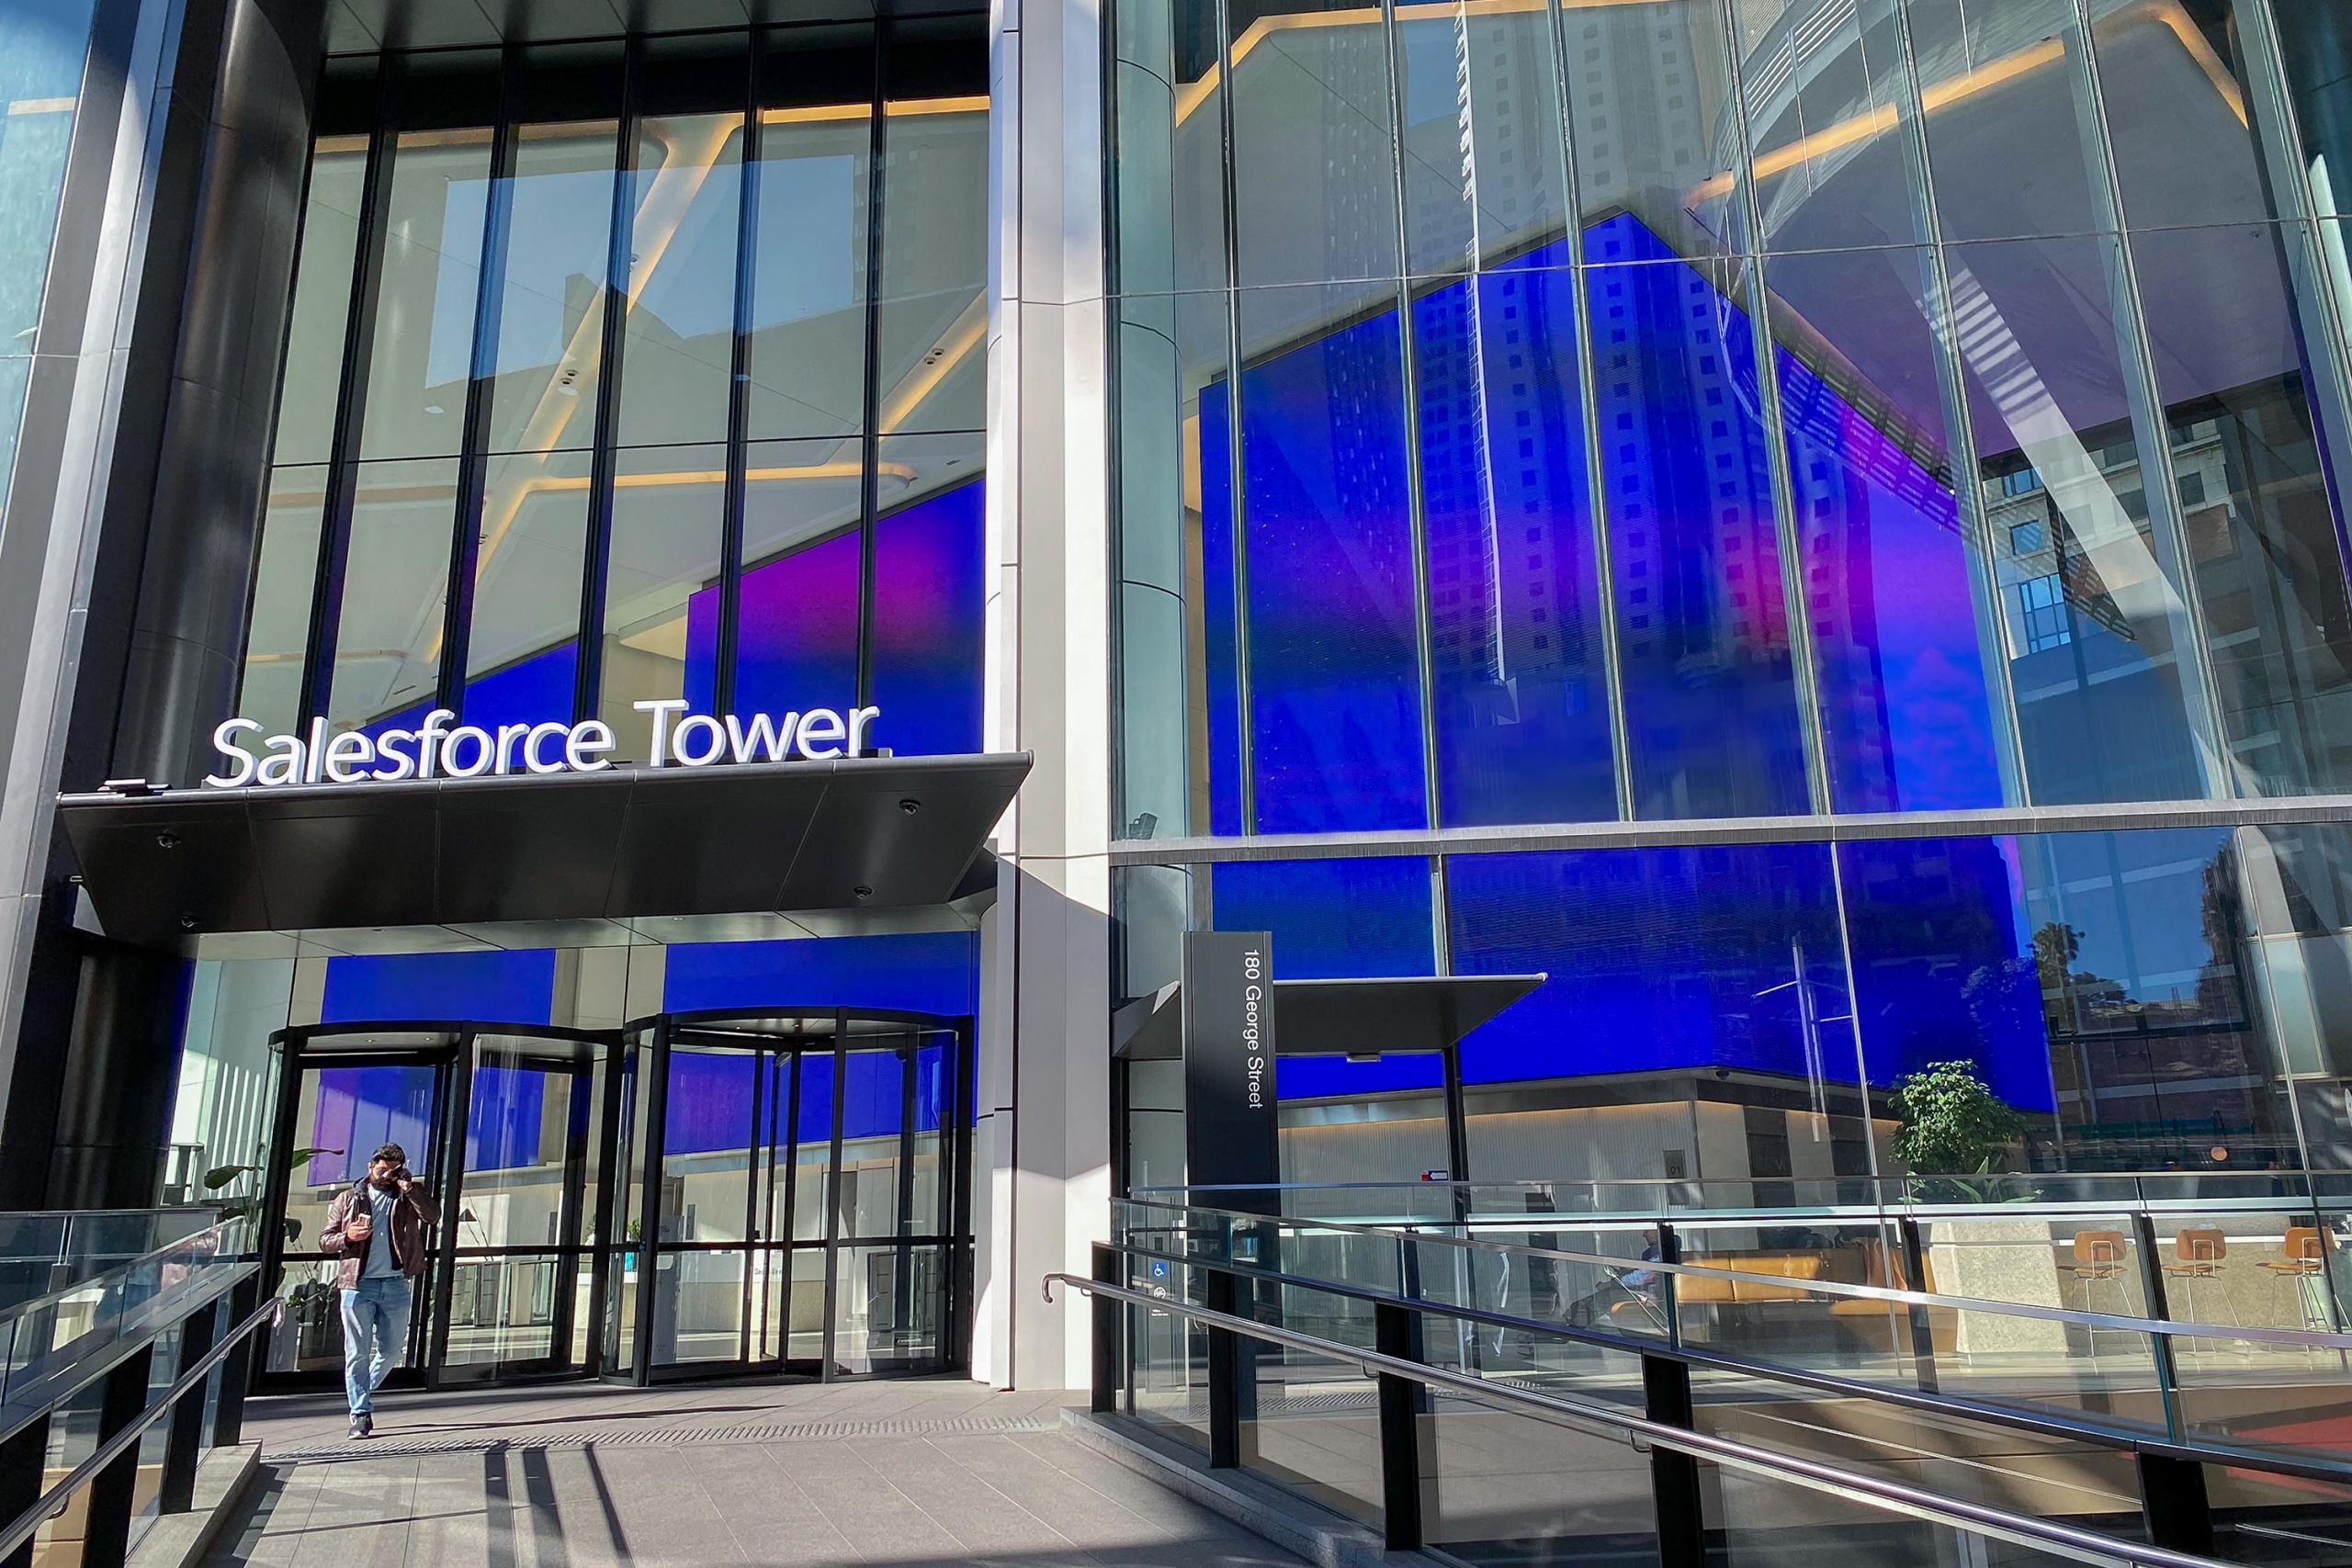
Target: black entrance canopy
853, 833
1338, 1018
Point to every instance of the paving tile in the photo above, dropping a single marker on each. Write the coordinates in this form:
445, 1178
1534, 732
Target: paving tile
676, 1478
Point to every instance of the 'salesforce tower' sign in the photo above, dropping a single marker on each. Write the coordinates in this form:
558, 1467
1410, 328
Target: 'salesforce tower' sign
434, 750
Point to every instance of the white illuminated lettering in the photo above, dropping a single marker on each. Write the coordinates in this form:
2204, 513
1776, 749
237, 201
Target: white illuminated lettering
284, 763
699, 756
761, 737
428, 740
224, 741
819, 724
435, 749
345, 756
553, 730
391, 747
584, 748
659, 753
485, 751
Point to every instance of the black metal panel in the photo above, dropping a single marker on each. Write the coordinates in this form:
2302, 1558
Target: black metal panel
624, 843
1330, 1018
708, 841
863, 834
512, 849
189, 859
352, 856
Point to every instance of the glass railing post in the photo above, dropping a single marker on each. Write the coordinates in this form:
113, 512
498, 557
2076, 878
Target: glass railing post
1396, 1332
1224, 1374
2160, 1347
1923, 1330
24, 1461
236, 1367
1674, 1477
112, 1496
2173, 1502
1108, 1358
184, 1438
1669, 1250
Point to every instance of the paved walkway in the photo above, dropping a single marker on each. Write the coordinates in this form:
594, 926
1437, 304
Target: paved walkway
910, 1473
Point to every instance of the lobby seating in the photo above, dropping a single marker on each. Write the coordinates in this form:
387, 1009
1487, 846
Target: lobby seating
1716, 1308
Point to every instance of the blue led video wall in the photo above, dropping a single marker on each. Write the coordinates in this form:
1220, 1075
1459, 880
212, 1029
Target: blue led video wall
1520, 718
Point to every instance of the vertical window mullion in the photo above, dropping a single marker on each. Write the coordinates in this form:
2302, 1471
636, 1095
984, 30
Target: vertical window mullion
869, 481
473, 462
1237, 506
1409, 385
1796, 605
739, 391
618, 267
1604, 569
1960, 430
2175, 559
358, 347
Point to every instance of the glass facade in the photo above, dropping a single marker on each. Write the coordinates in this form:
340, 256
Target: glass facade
612, 379
1565, 433
43, 44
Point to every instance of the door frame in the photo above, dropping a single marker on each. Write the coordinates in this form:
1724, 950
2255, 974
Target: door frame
657, 1033
451, 1058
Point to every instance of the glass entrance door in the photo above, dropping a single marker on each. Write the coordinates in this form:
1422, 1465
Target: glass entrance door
799, 1180
339, 1100
519, 1279
502, 1128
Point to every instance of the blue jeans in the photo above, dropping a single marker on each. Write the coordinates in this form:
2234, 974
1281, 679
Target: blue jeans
375, 1332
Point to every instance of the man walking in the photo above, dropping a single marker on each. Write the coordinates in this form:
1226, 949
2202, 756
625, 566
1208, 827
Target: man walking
377, 1230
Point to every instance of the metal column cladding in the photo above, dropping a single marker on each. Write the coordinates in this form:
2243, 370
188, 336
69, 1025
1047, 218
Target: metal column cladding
1229, 1124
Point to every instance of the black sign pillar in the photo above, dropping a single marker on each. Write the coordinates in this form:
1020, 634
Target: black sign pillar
1229, 1124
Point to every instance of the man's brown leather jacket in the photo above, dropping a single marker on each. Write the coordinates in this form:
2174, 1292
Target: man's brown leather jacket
412, 1212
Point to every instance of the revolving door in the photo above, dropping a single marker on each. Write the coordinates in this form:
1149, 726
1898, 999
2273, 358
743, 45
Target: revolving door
793, 1196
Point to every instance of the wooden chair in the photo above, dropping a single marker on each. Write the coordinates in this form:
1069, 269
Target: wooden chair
2197, 1255
2099, 1259
2302, 1254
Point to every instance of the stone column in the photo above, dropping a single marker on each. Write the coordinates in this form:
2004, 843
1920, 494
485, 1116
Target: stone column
1043, 1149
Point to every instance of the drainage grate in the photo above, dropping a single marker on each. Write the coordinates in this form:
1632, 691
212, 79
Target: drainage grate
672, 1437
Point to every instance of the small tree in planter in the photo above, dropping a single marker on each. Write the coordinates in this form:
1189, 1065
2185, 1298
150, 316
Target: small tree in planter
1953, 1126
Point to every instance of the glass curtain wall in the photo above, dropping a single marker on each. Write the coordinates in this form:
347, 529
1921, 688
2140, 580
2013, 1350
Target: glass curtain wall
1605, 419
2161, 999
43, 44
625, 372
1674, 409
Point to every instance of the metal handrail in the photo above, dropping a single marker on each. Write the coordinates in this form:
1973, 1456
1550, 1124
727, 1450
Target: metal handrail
2020, 1529
65, 1294
2304, 1338
2120, 1436
28, 1523
1896, 1195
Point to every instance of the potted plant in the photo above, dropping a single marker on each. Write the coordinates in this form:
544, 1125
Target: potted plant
1952, 1128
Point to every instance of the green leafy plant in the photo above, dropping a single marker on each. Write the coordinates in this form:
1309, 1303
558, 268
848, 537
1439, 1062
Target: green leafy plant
1952, 1128
248, 1205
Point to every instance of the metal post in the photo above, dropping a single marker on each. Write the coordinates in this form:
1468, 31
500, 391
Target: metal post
1107, 1312
236, 1367
1669, 1250
1923, 1332
1396, 1332
1674, 1477
2173, 1502
24, 1462
184, 1441
2152, 1288
1224, 1375
106, 1524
